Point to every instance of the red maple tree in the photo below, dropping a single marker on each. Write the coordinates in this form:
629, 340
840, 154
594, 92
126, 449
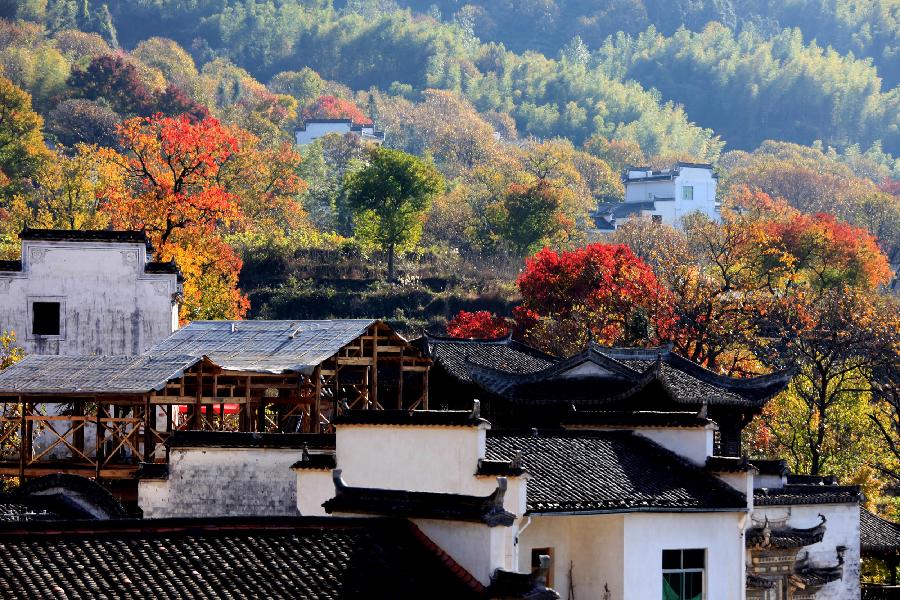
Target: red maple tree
331, 107
602, 292
480, 324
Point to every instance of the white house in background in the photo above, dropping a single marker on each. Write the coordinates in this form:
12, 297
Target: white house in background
313, 129
88, 292
665, 196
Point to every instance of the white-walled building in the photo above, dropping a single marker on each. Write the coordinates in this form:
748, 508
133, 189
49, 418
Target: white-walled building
665, 196
88, 292
313, 129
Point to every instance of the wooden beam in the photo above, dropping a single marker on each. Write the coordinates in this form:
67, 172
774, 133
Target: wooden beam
316, 414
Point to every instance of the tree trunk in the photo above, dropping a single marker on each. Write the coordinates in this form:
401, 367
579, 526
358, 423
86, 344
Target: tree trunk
390, 273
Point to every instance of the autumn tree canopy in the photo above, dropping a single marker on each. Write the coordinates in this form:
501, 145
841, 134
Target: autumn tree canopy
601, 292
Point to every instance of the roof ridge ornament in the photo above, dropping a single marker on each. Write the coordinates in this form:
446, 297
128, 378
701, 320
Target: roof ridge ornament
476, 408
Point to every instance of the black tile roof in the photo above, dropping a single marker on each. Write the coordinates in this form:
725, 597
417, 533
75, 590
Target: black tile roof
455, 354
505, 584
303, 557
434, 418
621, 374
59, 496
318, 462
766, 536
87, 235
770, 466
807, 494
420, 505
728, 464
499, 468
647, 419
612, 471
878, 536
242, 439
10, 265
169, 267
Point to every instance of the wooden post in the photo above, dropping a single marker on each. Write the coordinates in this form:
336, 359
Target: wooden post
400, 381
425, 389
98, 445
374, 396
21, 440
337, 388
149, 414
315, 418
195, 418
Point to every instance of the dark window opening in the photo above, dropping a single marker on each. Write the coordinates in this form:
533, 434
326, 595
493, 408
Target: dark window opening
536, 554
45, 318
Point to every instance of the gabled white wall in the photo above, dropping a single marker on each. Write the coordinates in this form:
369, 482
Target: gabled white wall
109, 305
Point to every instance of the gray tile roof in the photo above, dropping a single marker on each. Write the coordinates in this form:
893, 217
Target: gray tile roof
321, 558
50, 374
877, 535
263, 346
621, 374
614, 471
455, 354
807, 494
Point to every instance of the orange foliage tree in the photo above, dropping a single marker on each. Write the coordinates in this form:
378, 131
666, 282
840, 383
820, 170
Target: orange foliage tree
175, 187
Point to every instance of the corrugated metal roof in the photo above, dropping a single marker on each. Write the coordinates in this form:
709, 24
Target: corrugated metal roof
37, 374
263, 346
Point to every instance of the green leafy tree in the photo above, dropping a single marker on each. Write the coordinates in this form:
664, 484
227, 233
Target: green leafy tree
390, 198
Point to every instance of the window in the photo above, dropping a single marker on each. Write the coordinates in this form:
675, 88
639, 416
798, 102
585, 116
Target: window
536, 554
45, 318
687, 192
656, 218
683, 574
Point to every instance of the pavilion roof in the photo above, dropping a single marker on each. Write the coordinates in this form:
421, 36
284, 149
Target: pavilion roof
616, 376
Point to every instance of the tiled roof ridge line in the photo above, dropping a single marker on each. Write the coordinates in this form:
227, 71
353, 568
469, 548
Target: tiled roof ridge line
506, 340
439, 553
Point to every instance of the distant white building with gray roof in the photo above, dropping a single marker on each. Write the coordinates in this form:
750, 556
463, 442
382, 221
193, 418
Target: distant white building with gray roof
665, 196
313, 129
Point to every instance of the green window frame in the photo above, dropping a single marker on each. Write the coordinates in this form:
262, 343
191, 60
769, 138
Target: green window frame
683, 574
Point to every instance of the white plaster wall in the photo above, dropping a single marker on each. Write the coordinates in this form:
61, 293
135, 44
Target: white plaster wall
646, 535
110, 305
475, 546
314, 487
225, 482
694, 444
704, 193
589, 547
742, 482
427, 459
639, 191
316, 130
841, 529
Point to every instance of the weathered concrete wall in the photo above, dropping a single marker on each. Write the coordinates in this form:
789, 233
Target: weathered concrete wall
108, 304
206, 482
841, 529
